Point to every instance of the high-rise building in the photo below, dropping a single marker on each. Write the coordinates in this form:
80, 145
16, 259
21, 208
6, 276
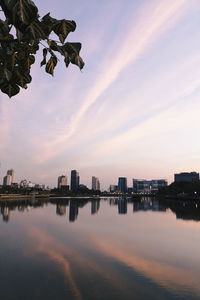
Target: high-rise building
75, 179
62, 181
186, 176
7, 180
11, 173
122, 184
95, 183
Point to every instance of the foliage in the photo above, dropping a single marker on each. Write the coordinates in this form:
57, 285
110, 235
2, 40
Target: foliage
182, 187
22, 31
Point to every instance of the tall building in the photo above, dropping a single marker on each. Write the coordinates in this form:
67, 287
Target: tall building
95, 183
75, 179
186, 176
7, 180
62, 181
11, 173
122, 184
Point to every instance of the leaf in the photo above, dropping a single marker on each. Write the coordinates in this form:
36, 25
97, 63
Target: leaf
53, 45
47, 23
35, 31
28, 61
10, 89
24, 11
73, 49
7, 74
78, 61
63, 28
50, 66
43, 62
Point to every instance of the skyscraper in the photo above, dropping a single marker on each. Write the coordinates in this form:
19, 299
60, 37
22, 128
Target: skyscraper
11, 173
7, 180
95, 183
74, 180
62, 181
122, 184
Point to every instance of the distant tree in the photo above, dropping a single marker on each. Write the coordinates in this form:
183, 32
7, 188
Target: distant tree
22, 31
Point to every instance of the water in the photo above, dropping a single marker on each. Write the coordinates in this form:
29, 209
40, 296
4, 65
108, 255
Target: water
99, 249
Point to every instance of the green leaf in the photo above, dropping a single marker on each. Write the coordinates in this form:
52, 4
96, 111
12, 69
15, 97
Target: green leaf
10, 89
51, 64
63, 28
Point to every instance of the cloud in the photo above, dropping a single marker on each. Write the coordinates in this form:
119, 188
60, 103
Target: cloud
153, 21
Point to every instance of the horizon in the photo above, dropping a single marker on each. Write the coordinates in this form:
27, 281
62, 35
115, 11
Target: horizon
133, 111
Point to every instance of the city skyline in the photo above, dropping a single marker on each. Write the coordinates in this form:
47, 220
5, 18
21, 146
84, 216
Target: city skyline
133, 110
137, 185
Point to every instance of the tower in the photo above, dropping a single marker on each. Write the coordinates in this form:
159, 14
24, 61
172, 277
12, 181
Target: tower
75, 179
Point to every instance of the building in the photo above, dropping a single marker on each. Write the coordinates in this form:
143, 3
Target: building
113, 188
75, 179
62, 181
186, 176
7, 180
148, 186
11, 173
122, 184
95, 183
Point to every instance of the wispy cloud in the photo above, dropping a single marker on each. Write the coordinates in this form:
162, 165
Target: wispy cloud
153, 20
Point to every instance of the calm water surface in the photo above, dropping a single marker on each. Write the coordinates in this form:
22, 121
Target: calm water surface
100, 249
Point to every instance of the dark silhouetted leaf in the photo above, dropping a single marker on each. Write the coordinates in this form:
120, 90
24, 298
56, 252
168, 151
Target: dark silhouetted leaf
10, 89
50, 66
63, 28
43, 62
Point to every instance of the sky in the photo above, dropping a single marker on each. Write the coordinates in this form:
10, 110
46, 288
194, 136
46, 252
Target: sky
133, 111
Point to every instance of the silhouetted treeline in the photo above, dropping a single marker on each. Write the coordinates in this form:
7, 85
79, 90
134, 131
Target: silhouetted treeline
183, 187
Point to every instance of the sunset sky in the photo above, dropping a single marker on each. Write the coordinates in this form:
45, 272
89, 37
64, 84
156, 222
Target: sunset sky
133, 111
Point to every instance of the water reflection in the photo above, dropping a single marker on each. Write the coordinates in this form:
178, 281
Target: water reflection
186, 210
132, 250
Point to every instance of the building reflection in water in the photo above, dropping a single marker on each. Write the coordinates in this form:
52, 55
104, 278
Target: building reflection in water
61, 210
186, 210
148, 204
5, 211
95, 205
122, 206
73, 210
